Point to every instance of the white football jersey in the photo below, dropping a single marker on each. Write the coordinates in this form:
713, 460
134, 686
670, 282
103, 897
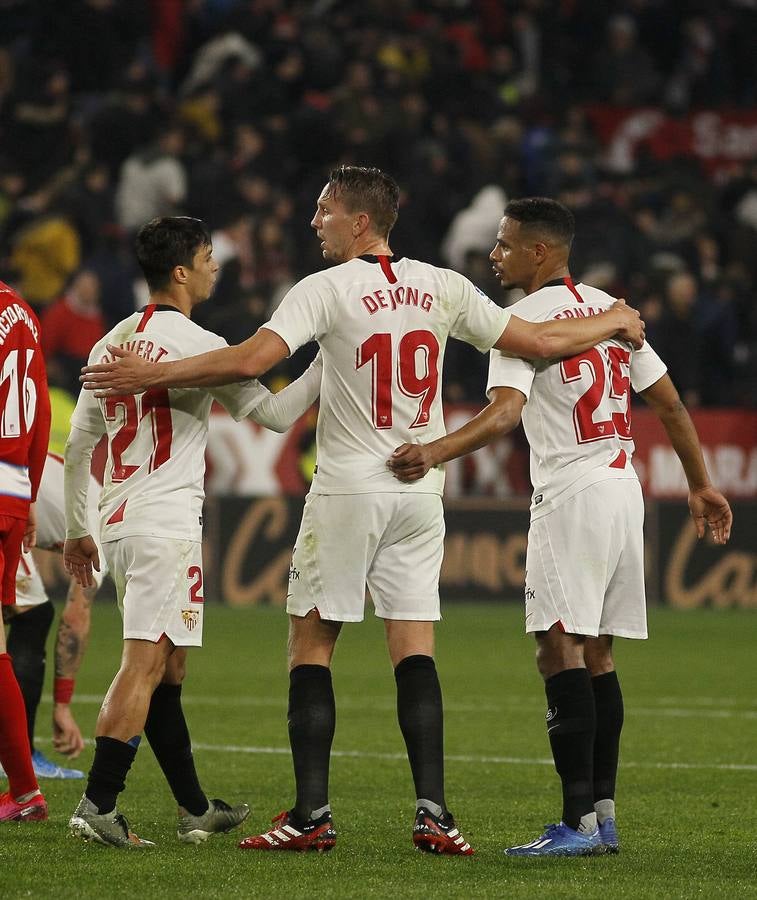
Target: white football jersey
578, 415
51, 510
382, 326
154, 474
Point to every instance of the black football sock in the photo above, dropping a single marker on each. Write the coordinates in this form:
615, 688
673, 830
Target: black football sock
166, 730
571, 724
107, 777
421, 719
27, 637
312, 721
608, 702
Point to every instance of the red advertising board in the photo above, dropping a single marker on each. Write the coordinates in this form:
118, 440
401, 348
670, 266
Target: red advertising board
246, 459
718, 138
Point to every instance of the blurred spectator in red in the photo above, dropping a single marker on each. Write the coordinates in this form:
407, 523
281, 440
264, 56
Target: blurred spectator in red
70, 328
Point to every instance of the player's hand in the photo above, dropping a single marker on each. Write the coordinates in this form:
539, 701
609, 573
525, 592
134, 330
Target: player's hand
67, 737
126, 374
29, 539
80, 556
410, 462
710, 507
631, 327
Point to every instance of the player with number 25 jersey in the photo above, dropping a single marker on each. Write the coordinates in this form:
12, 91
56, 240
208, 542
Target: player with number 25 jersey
578, 417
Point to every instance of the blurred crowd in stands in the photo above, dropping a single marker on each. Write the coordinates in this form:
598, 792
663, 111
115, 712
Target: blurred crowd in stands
114, 111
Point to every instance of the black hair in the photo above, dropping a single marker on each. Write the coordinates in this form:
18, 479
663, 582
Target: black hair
544, 216
167, 242
369, 190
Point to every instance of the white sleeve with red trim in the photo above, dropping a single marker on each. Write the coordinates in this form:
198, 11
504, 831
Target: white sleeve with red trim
77, 459
509, 371
646, 368
480, 321
306, 311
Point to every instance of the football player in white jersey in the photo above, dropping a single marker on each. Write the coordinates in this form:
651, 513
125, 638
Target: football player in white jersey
31, 617
382, 323
585, 561
151, 531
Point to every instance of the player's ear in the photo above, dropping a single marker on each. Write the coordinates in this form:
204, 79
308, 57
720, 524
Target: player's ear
361, 224
540, 250
180, 274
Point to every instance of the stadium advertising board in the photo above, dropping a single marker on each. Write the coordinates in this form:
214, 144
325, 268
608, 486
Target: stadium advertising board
687, 573
249, 543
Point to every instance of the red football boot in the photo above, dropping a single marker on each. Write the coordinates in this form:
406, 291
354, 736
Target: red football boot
288, 834
434, 834
34, 810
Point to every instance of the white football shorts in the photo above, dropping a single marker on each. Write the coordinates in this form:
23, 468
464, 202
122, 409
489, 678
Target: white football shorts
391, 542
159, 588
585, 563
30, 589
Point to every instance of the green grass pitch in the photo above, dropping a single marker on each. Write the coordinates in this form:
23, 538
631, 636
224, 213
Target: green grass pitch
686, 798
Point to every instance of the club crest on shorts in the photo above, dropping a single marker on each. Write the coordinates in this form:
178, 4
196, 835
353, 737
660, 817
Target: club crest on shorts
190, 617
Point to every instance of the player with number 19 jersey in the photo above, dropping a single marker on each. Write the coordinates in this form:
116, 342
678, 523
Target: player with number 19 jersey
382, 325
578, 416
153, 481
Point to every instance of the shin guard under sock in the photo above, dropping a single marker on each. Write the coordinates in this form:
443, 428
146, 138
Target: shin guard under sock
571, 725
421, 719
312, 721
608, 703
107, 777
27, 637
166, 730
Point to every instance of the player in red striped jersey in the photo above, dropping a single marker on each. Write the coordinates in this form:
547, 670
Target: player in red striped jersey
24, 432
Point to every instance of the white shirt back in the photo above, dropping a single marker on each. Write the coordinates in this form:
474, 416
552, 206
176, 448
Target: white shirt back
382, 326
154, 475
578, 416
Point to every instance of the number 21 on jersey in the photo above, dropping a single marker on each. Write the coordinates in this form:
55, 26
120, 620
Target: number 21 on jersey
413, 348
132, 410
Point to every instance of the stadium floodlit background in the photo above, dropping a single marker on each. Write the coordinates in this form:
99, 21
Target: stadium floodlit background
639, 115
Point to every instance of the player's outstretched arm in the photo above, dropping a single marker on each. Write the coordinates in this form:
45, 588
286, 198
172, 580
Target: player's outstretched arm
566, 337
707, 505
70, 644
131, 374
410, 462
281, 410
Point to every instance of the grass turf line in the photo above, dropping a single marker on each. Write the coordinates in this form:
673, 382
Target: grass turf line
684, 832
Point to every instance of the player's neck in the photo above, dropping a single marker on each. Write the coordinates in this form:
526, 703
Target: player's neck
370, 246
541, 278
166, 298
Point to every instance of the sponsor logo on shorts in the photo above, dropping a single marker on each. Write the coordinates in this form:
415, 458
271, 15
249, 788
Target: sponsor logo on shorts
190, 617
530, 593
294, 574
551, 713
538, 498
